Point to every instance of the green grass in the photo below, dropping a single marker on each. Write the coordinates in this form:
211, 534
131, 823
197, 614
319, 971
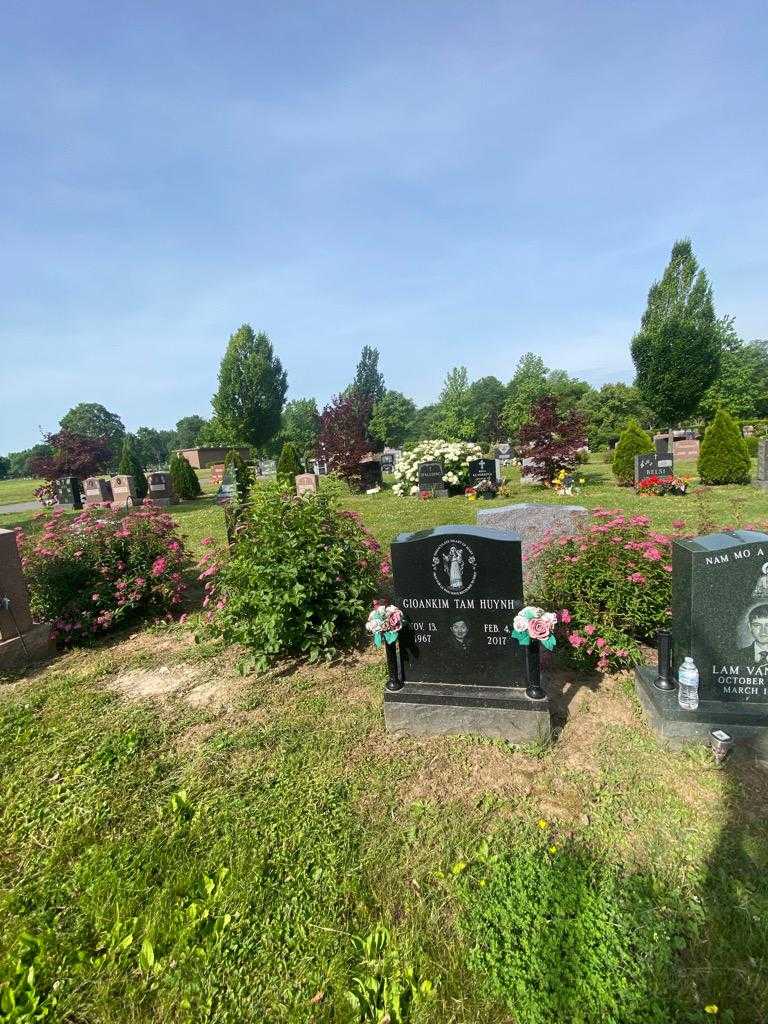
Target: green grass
13, 491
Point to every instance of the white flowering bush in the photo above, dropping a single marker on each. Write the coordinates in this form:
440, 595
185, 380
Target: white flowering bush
453, 456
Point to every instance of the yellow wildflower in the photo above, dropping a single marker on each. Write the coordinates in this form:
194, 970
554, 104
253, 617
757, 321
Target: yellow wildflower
710, 1009
542, 823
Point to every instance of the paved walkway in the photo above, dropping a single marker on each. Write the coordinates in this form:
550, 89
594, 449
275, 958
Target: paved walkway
20, 506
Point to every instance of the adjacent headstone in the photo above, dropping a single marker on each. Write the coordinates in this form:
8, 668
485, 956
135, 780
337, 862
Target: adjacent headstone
370, 474
535, 524
320, 468
482, 469
687, 450
21, 640
268, 467
431, 478
217, 473
527, 472
228, 487
460, 669
720, 619
650, 464
387, 462
661, 443
306, 483
762, 464
123, 491
68, 492
98, 491
160, 489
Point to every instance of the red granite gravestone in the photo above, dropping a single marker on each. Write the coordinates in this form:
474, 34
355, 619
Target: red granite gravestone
97, 491
306, 483
21, 640
123, 491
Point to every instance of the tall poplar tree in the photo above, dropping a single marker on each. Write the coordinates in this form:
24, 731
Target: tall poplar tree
677, 350
369, 380
252, 386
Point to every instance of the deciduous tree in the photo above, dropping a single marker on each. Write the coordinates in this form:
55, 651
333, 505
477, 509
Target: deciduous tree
343, 441
90, 419
392, 419
252, 386
71, 454
551, 439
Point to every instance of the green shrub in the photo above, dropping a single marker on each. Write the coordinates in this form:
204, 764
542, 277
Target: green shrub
724, 457
633, 441
288, 467
559, 935
235, 464
184, 479
753, 443
613, 583
91, 573
131, 465
299, 579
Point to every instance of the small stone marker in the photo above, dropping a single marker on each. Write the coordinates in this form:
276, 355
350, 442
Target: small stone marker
306, 483
650, 464
762, 464
460, 668
21, 641
370, 474
720, 619
123, 491
431, 478
482, 469
98, 491
535, 524
160, 489
68, 492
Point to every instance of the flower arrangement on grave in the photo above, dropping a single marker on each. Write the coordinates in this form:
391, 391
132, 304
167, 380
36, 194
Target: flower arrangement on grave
454, 457
46, 494
384, 623
425, 495
566, 483
534, 623
486, 488
662, 485
471, 493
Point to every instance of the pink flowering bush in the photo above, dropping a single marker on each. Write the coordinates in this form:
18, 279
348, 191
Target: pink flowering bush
613, 583
299, 579
91, 573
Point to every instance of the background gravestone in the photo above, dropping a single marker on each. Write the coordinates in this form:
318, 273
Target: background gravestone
431, 478
123, 491
528, 468
762, 464
650, 464
460, 667
370, 474
306, 483
720, 619
387, 462
68, 492
97, 491
535, 524
482, 469
21, 641
160, 489
217, 473
687, 449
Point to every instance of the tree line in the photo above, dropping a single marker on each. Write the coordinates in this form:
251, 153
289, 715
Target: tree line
689, 362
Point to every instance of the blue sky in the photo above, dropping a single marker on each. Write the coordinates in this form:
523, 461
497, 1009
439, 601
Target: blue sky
450, 182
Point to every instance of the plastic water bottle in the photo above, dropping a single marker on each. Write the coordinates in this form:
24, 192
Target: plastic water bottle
688, 685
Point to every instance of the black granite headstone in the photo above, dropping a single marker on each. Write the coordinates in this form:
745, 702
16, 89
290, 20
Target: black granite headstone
662, 444
720, 613
431, 476
387, 463
460, 668
370, 474
68, 492
482, 469
650, 464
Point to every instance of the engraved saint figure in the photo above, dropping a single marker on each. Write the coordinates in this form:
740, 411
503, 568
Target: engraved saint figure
454, 567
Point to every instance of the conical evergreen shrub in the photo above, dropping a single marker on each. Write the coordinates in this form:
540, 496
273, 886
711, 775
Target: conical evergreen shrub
184, 479
131, 465
724, 456
288, 467
633, 441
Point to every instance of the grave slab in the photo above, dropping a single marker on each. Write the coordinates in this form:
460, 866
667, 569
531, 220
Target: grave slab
535, 523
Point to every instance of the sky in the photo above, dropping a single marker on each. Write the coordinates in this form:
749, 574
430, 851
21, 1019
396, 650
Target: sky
453, 183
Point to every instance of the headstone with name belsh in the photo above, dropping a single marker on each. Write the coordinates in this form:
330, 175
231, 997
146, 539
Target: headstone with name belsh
370, 474
68, 492
720, 620
651, 464
459, 668
97, 491
482, 469
762, 464
431, 478
160, 489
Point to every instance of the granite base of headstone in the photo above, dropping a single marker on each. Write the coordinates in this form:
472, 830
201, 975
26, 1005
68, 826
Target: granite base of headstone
535, 524
720, 620
458, 669
22, 641
761, 480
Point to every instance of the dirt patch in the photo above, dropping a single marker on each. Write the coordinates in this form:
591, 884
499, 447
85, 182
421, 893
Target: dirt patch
199, 686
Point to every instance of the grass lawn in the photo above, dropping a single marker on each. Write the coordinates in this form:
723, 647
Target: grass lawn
181, 843
13, 491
